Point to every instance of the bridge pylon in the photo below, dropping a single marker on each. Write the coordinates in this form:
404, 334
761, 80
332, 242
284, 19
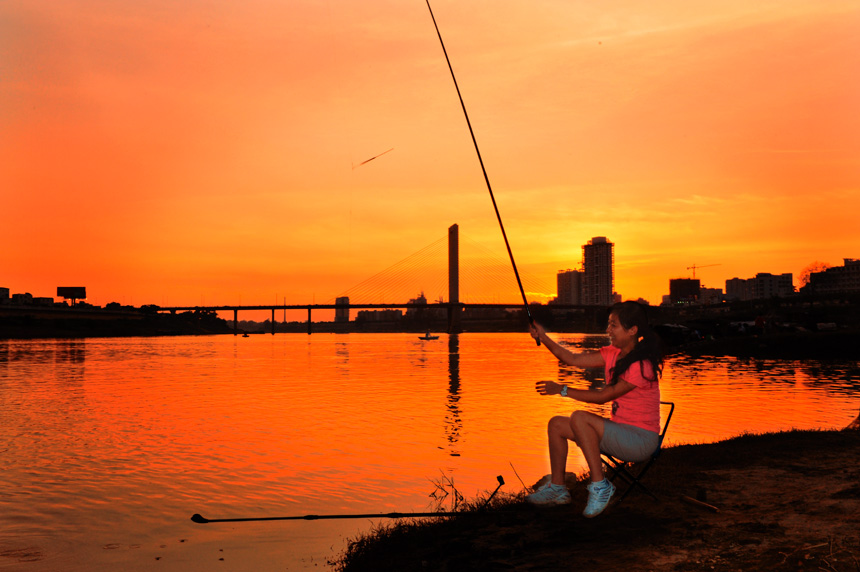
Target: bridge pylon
454, 308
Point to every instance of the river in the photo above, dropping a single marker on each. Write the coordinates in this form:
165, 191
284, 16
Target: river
109, 445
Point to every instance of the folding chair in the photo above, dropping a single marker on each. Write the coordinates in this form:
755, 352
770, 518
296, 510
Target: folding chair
617, 467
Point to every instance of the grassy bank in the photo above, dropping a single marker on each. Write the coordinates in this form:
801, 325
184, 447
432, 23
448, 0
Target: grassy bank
786, 501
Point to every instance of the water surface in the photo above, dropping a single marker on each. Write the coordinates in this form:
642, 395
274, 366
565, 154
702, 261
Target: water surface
109, 445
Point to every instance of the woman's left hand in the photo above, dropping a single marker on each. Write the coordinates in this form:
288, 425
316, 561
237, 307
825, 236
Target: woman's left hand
548, 387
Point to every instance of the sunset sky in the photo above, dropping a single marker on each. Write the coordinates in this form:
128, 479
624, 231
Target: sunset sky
207, 152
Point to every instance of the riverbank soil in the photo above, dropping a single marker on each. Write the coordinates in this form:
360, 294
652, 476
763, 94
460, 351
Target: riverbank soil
784, 501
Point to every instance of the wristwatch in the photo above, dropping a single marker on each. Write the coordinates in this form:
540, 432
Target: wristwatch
564, 391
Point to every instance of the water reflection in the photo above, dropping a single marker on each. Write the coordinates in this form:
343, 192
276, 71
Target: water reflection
837, 374
341, 350
595, 377
69, 358
453, 422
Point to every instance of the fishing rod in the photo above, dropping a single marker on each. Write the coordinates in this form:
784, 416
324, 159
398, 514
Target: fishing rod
203, 520
483, 170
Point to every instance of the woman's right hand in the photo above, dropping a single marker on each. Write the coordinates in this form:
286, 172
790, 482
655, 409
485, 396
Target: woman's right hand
547, 387
536, 330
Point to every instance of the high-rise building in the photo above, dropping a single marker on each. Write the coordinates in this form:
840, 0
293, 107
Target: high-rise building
341, 311
844, 278
569, 287
764, 285
598, 270
739, 289
710, 296
769, 285
684, 290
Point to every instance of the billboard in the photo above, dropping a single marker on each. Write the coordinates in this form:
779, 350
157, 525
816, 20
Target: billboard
72, 292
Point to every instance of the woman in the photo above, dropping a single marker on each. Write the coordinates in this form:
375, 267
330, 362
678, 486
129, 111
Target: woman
634, 363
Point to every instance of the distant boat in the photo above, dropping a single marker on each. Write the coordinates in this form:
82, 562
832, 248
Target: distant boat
427, 336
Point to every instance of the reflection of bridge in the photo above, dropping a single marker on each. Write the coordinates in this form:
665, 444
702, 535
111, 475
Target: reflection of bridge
382, 284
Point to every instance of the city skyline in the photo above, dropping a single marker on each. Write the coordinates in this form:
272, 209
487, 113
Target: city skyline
570, 287
220, 154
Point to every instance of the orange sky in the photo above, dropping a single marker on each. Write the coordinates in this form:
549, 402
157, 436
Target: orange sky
202, 152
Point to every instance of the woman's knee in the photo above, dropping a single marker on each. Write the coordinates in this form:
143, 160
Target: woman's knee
559, 425
582, 421
579, 418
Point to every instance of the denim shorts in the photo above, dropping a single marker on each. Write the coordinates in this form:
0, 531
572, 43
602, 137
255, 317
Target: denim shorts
628, 442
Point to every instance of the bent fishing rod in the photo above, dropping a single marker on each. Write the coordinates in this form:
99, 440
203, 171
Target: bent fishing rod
483, 170
203, 520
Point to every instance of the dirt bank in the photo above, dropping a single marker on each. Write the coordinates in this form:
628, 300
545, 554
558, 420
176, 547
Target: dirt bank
786, 501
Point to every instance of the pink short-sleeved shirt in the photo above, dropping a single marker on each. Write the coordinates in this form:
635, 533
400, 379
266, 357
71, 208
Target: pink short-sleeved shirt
641, 406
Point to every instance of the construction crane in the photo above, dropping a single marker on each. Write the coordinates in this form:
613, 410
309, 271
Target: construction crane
693, 268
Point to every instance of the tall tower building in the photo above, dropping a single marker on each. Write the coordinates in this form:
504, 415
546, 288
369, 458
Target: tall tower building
598, 268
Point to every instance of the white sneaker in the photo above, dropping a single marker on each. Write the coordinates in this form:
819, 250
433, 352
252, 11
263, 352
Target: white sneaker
598, 497
550, 494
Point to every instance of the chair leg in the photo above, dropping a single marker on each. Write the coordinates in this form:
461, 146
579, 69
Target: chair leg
619, 469
635, 484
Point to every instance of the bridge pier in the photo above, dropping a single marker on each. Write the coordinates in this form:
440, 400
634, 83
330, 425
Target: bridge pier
455, 313
309, 320
235, 322
273, 321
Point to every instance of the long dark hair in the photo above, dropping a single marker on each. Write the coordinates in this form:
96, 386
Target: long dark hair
648, 347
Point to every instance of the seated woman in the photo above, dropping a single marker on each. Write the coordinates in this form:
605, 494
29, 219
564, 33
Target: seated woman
633, 363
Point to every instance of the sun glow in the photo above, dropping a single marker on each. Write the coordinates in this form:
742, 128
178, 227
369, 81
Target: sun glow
155, 153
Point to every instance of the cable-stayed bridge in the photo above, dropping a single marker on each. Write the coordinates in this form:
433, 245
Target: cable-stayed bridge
450, 274
453, 268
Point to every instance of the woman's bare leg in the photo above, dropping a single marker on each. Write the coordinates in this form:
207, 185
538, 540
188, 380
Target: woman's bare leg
558, 434
587, 429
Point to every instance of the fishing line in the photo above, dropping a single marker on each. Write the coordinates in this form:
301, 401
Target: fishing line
483, 170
